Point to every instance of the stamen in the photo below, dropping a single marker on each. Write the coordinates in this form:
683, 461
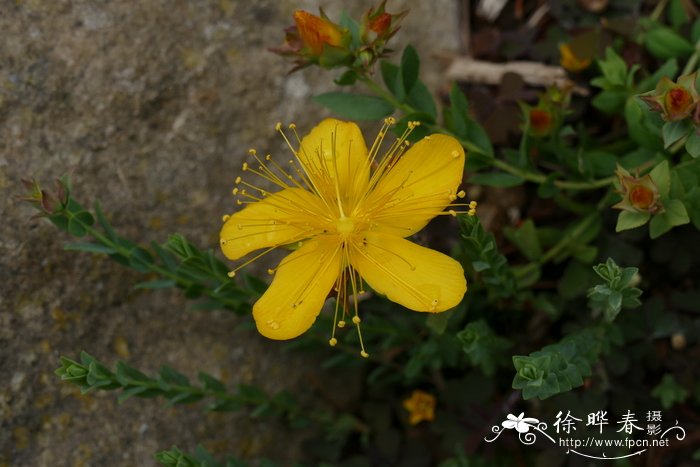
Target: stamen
225, 217
341, 324
332, 341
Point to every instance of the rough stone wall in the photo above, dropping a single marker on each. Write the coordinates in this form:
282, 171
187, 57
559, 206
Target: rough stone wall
150, 106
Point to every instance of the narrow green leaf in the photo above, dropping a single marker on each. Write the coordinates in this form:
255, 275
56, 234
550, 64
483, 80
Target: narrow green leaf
89, 247
410, 65
459, 107
156, 284
392, 79
665, 43
421, 99
355, 106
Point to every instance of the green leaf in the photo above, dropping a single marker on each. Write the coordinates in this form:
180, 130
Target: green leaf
669, 392
525, 238
692, 144
658, 226
631, 220
355, 106
420, 99
211, 383
661, 175
89, 247
677, 15
156, 284
459, 108
500, 179
76, 228
346, 79
391, 74
665, 43
676, 213
483, 347
410, 65
641, 129
610, 102
437, 322
674, 131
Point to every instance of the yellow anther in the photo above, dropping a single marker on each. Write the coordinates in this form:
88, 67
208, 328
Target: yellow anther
341, 324
225, 217
268, 157
245, 166
390, 120
333, 341
238, 180
461, 194
472, 205
292, 126
452, 197
452, 213
270, 271
364, 354
239, 202
278, 126
356, 319
252, 152
234, 192
231, 273
471, 212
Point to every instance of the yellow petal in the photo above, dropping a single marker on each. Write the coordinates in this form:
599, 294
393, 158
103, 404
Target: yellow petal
279, 219
418, 187
300, 287
335, 150
414, 276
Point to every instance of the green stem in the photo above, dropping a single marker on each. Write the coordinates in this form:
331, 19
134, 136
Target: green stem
163, 272
660, 7
500, 164
568, 239
692, 62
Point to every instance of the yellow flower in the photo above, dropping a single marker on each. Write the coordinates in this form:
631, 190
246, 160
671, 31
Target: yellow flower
420, 406
348, 213
570, 61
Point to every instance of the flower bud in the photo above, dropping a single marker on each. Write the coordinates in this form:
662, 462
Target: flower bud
638, 194
675, 101
541, 122
316, 32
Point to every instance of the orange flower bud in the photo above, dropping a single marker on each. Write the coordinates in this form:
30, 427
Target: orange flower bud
541, 122
641, 197
675, 101
380, 23
639, 194
679, 103
316, 32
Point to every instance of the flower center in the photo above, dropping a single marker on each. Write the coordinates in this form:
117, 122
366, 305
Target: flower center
345, 226
641, 197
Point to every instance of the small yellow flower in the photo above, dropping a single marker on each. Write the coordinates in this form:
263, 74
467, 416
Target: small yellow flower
569, 61
348, 212
420, 406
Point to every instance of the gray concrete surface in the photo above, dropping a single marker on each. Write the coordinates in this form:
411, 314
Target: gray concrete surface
150, 106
